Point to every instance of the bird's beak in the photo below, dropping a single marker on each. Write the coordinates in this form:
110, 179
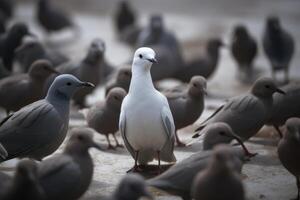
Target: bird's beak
87, 84
97, 146
239, 140
280, 91
153, 60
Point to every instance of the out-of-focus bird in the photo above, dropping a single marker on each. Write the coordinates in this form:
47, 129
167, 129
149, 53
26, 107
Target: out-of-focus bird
204, 66
289, 150
279, 46
52, 18
122, 80
124, 16
6, 8
243, 50
187, 107
10, 41
104, 115
19, 90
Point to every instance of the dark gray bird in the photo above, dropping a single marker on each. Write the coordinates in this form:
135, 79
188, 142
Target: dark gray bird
3, 152
38, 129
131, 187
279, 46
285, 106
289, 150
19, 90
204, 66
25, 184
122, 80
247, 113
7, 8
179, 178
243, 50
32, 49
104, 116
52, 18
220, 180
124, 16
187, 107
3, 23
69, 174
10, 41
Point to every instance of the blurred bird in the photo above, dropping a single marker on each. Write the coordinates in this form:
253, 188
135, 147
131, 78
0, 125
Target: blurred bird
124, 16
246, 114
69, 174
52, 18
179, 178
279, 46
243, 50
186, 108
220, 180
24, 185
289, 150
204, 66
285, 106
10, 41
104, 116
32, 49
6, 8
3, 23
146, 122
38, 129
122, 80
17, 91
131, 187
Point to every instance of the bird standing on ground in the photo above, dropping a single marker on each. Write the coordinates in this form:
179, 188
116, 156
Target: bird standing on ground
146, 122
104, 116
220, 180
69, 174
289, 150
19, 90
243, 50
279, 46
38, 129
9, 43
204, 66
246, 114
186, 108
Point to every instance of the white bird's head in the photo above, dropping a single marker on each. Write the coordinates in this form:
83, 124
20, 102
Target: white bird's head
144, 57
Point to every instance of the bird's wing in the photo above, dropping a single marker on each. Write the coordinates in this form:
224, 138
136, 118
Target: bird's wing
122, 127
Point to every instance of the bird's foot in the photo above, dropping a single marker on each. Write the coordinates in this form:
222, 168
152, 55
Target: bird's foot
135, 169
119, 145
250, 155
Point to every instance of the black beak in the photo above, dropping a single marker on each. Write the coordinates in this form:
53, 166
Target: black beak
153, 60
280, 91
87, 84
239, 140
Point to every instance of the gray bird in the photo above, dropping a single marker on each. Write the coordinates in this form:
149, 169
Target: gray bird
243, 50
38, 129
32, 49
124, 16
131, 187
279, 46
3, 152
122, 80
203, 66
247, 113
285, 106
220, 180
104, 116
19, 90
25, 184
52, 18
146, 121
69, 174
166, 46
289, 150
179, 178
186, 108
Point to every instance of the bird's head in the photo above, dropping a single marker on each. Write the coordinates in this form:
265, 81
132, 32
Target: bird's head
19, 30
273, 23
41, 69
143, 59
240, 31
124, 75
156, 23
115, 97
197, 86
293, 128
265, 87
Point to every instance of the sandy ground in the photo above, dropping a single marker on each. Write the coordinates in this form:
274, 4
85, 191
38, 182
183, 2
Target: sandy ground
193, 22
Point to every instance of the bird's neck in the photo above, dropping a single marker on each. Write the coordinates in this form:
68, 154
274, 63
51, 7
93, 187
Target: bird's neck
59, 101
141, 79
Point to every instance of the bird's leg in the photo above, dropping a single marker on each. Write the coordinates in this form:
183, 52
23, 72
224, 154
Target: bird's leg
178, 142
158, 158
278, 131
117, 142
109, 144
136, 167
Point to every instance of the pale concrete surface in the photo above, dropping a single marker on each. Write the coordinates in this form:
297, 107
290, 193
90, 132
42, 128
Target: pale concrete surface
193, 21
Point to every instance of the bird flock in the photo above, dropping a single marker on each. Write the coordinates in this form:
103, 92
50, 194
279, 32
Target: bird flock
40, 85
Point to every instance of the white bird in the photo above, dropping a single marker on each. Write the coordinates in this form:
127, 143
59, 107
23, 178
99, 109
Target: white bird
146, 122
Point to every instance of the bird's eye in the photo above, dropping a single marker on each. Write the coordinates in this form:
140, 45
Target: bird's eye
80, 137
222, 133
116, 98
141, 56
267, 86
194, 84
69, 83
